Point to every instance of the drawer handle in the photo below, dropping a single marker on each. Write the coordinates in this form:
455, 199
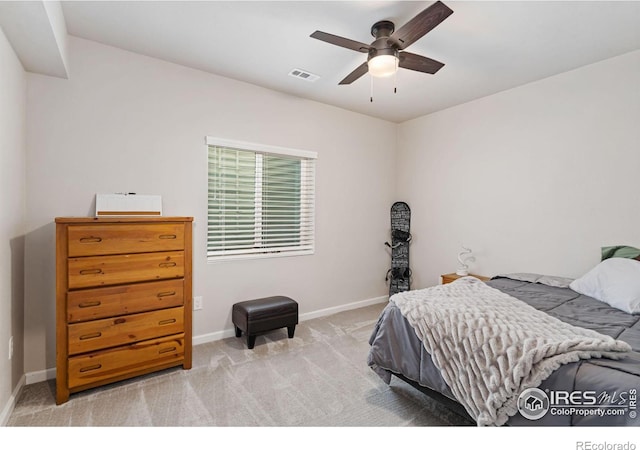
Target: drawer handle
90, 239
166, 350
84, 337
90, 271
89, 304
168, 236
166, 294
90, 368
167, 264
166, 321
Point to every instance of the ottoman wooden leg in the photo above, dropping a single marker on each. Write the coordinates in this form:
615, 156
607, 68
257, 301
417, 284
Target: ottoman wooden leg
251, 341
238, 332
291, 330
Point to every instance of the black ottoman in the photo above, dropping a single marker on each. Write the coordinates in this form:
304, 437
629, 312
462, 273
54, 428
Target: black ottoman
264, 314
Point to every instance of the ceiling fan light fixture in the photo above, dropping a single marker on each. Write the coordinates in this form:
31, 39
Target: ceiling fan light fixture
383, 65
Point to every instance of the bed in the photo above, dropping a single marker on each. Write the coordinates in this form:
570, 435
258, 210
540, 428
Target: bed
595, 386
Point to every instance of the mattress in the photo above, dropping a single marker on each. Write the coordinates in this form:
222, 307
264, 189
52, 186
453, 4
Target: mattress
593, 392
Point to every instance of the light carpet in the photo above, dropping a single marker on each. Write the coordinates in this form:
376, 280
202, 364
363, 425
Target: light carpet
320, 378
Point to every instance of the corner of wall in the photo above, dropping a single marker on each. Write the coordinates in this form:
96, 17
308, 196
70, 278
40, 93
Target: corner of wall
53, 8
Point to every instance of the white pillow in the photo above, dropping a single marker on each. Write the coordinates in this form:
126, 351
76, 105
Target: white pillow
615, 281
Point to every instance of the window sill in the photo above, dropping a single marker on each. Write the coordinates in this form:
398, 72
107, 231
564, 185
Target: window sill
224, 258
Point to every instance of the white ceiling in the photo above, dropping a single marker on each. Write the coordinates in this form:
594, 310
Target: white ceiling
486, 46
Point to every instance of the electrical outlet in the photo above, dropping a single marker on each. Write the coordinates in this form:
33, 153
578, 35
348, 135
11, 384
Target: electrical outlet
197, 303
11, 347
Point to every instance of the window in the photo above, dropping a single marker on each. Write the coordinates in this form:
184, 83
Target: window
260, 200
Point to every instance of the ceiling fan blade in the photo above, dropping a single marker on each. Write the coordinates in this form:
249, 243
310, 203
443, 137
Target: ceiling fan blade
420, 25
341, 42
357, 73
419, 63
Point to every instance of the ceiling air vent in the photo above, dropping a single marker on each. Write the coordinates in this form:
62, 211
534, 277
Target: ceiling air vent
303, 75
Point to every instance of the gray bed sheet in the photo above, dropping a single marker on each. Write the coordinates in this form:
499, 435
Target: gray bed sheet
395, 349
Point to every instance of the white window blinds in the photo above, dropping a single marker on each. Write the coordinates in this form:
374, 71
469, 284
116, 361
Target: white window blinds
260, 200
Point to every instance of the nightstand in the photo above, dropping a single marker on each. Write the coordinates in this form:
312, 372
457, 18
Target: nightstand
449, 277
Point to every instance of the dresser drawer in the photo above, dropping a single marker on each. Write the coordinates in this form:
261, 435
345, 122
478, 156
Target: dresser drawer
89, 240
114, 363
91, 304
104, 333
92, 271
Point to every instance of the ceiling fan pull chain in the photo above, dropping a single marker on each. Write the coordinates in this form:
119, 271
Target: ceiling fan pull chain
395, 79
371, 97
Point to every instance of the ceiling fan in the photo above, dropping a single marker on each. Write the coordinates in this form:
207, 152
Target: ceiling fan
386, 53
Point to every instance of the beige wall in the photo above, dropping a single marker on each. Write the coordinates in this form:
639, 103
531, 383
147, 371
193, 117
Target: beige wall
128, 123
533, 179
13, 87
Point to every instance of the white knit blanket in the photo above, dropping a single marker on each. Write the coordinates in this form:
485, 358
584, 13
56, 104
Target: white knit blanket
490, 346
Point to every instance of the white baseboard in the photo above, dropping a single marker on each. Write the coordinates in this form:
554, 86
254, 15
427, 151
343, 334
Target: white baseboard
49, 374
41, 375
216, 336
11, 404
341, 308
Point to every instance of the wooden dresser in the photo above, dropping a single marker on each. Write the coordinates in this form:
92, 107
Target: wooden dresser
123, 299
